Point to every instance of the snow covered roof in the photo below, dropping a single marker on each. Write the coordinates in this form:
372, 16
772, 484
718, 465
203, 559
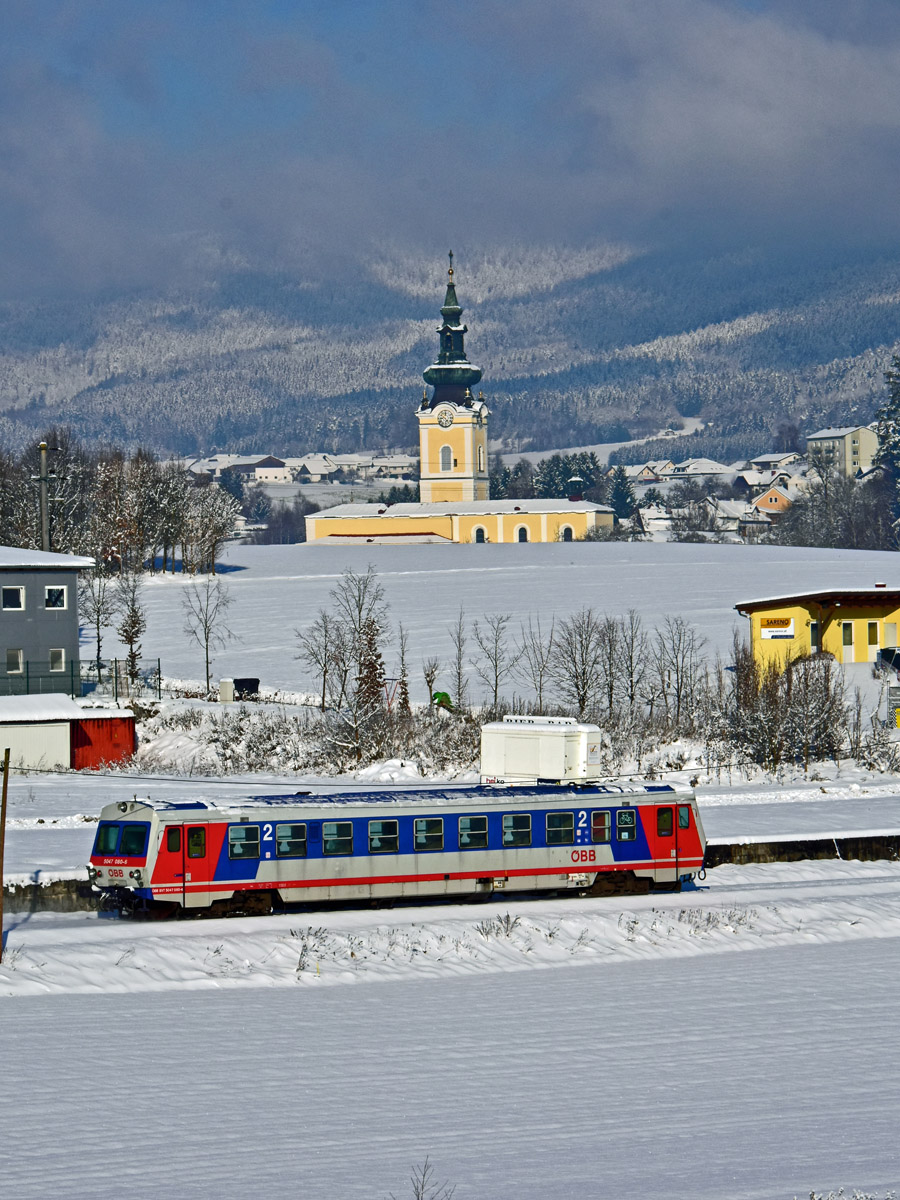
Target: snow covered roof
462, 507
16, 557
52, 706
827, 598
835, 432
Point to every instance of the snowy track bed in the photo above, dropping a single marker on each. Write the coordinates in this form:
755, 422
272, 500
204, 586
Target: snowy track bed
741, 908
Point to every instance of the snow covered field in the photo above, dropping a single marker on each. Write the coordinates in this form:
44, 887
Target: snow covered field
732, 1042
275, 589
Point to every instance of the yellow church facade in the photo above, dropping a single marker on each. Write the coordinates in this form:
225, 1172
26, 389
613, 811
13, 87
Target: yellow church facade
476, 521
852, 624
454, 481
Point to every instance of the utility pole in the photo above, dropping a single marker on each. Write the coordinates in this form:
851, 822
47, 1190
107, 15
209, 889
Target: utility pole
3, 837
44, 486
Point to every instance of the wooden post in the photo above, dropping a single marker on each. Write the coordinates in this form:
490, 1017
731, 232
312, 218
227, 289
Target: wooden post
3, 837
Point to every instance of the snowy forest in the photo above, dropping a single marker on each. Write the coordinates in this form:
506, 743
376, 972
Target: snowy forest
577, 348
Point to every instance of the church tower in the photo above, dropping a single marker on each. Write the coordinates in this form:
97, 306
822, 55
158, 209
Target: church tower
452, 423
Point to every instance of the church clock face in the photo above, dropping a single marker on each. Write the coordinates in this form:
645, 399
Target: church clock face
445, 418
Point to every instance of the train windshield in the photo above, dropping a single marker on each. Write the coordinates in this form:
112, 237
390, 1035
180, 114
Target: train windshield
128, 840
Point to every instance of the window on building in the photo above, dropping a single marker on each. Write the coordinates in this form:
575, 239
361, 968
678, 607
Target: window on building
560, 829
665, 822
429, 833
567, 533
57, 660
473, 833
599, 826
446, 458
873, 633
814, 636
626, 825
847, 631
290, 841
384, 837
481, 458
480, 535
55, 597
14, 662
516, 829
522, 534
337, 837
196, 842
243, 841
12, 598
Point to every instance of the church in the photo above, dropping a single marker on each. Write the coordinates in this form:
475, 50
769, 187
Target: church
454, 487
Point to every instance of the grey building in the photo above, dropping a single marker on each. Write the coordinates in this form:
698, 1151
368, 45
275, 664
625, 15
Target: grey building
39, 621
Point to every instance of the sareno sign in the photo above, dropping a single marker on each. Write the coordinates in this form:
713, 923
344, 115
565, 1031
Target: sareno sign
776, 627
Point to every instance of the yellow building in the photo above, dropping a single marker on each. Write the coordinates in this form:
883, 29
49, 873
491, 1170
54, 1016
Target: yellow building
454, 486
467, 521
848, 450
853, 624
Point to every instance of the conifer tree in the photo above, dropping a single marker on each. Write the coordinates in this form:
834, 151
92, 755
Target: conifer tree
888, 429
621, 494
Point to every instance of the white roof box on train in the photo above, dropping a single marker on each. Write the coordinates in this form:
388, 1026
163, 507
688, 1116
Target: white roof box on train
526, 749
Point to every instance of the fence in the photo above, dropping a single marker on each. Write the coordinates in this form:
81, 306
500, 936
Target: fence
115, 680
38, 676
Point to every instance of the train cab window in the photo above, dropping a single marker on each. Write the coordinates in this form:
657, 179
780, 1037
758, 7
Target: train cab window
290, 841
516, 829
243, 841
173, 839
196, 842
684, 816
337, 837
626, 825
600, 826
473, 833
107, 839
560, 829
429, 833
665, 822
134, 840
384, 837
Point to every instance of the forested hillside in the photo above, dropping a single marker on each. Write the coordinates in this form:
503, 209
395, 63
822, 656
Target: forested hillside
577, 347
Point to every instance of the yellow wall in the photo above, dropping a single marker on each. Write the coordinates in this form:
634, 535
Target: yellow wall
831, 621
499, 527
467, 478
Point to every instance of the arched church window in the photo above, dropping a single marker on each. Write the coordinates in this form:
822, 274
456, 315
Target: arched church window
446, 458
567, 533
480, 535
481, 458
522, 534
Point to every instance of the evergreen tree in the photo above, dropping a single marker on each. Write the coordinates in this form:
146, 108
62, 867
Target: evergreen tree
621, 495
499, 478
888, 429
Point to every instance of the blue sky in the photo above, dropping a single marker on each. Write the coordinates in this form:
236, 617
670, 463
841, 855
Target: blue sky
132, 134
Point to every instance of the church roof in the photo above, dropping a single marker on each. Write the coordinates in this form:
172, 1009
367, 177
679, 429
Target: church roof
462, 508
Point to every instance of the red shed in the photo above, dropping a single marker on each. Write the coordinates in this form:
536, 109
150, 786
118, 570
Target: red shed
102, 738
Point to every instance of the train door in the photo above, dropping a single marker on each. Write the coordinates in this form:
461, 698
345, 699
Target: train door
195, 865
666, 844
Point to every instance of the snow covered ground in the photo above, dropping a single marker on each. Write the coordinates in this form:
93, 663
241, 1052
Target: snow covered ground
276, 589
737, 1041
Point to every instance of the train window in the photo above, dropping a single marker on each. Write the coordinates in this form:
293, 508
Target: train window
337, 837
560, 829
107, 839
243, 841
290, 841
665, 822
173, 839
516, 829
134, 840
600, 826
384, 837
684, 816
196, 842
473, 833
626, 825
429, 833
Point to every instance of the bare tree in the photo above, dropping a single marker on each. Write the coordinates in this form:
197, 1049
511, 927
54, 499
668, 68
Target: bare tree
460, 639
320, 650
609, 662
205, 606
575, 665
403, 706
358, 598
535, 654
430, 668
97, 603
497, 659
424, 1186
633, 657
678, 668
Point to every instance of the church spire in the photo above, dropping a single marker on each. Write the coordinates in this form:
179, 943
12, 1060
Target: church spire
451, 374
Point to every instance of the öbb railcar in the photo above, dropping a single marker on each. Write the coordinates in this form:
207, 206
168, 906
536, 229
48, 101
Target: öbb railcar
273, 851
